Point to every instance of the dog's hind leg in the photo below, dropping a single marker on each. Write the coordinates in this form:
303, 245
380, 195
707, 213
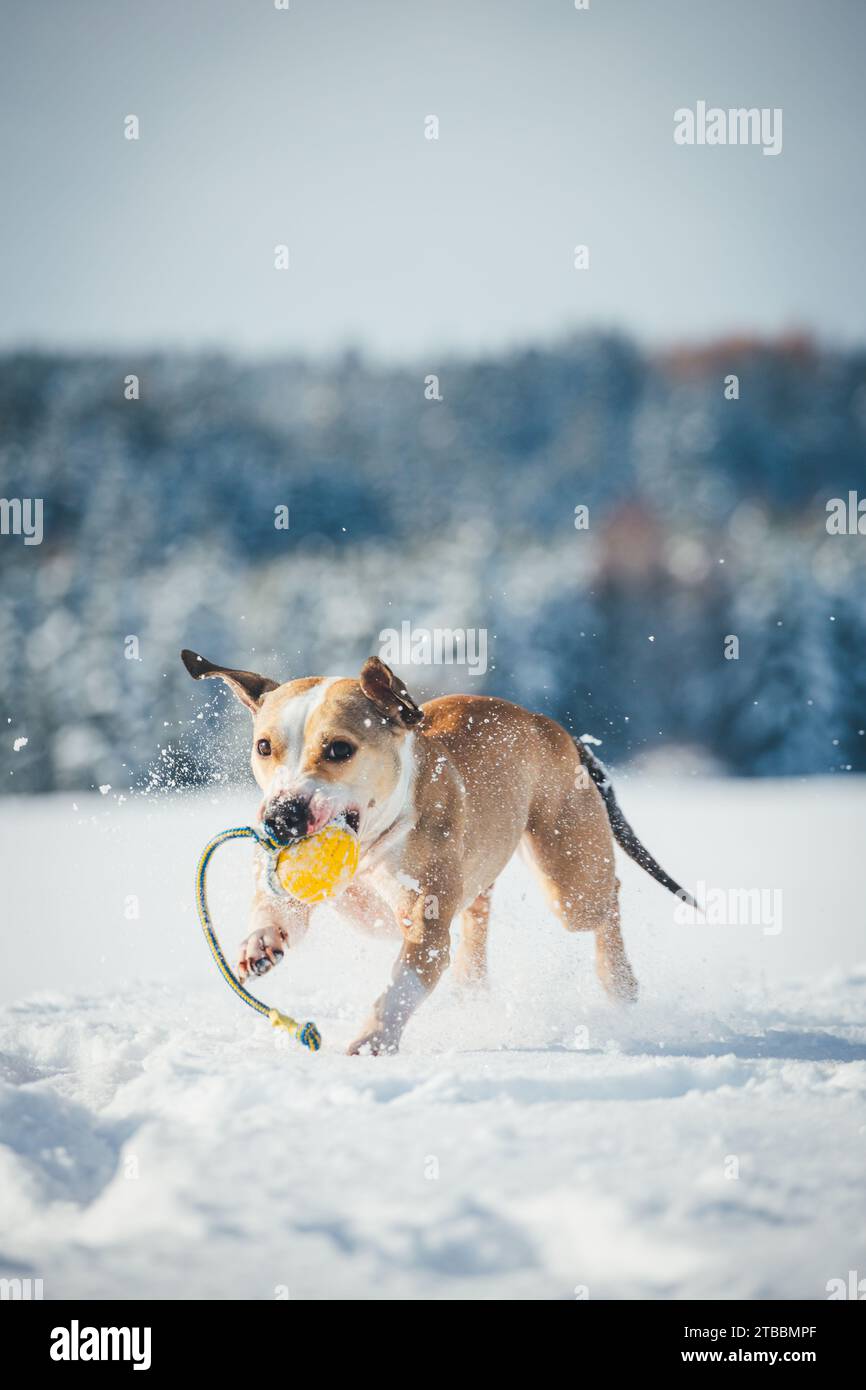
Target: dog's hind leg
586, 906
571, 849
611, 962
470, 960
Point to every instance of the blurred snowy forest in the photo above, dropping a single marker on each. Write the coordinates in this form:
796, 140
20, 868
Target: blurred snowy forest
707, 518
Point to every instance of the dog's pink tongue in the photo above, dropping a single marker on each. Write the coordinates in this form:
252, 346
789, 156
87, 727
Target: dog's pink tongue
321, 811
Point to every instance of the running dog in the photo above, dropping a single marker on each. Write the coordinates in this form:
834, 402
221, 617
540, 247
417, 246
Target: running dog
440, 795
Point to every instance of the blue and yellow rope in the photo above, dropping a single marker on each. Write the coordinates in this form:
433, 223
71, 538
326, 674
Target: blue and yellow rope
306, 1033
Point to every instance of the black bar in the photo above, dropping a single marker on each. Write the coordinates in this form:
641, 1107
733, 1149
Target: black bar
226, 1338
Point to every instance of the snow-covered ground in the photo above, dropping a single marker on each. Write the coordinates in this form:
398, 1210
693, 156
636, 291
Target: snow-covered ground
158, 1140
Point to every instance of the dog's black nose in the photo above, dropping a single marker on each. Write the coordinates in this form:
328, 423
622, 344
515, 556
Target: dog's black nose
287, 820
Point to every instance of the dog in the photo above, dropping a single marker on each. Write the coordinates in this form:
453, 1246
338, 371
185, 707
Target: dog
440, 795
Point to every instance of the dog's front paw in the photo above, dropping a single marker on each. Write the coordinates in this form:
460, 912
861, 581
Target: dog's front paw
375, 1041
261, 951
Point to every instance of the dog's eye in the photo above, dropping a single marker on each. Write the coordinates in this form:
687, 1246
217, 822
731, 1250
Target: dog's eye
263, 747
338, 750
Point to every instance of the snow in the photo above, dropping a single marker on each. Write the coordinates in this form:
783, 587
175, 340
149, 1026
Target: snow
160, 1140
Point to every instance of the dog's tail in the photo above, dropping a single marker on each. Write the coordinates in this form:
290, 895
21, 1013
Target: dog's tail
622, 831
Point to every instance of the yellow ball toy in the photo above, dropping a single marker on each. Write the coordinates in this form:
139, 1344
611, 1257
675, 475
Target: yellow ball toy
319, 866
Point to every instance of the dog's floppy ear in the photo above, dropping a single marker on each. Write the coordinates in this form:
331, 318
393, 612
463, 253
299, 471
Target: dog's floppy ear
249, 687
388, 693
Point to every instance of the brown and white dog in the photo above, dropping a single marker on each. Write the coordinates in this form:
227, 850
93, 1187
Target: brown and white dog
441, 796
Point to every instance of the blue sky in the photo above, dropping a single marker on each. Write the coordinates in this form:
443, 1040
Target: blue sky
306, 127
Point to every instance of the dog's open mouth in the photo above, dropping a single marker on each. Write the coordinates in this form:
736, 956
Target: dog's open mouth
323, 813
288, 824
